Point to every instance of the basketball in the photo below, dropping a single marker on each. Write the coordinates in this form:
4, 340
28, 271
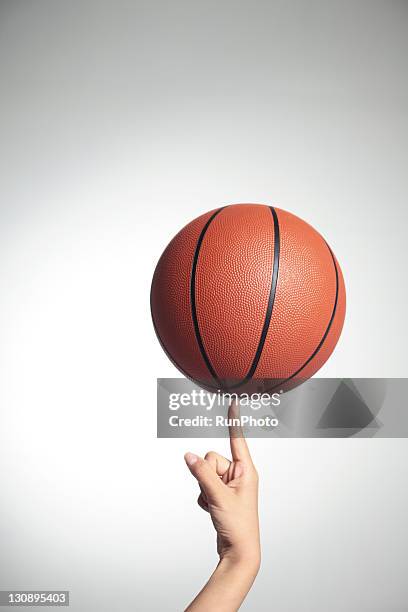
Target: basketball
248, 294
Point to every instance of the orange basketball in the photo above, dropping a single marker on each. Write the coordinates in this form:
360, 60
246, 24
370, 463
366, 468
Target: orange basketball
248, 293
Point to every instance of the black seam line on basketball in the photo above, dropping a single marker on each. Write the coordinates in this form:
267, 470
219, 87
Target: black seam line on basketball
166, 350
193, 297
271, 301
271, 298
319, 346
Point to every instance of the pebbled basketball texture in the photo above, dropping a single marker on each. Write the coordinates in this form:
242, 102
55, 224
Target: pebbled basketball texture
248, 295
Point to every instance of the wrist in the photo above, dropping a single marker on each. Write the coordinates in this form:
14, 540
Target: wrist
248, 560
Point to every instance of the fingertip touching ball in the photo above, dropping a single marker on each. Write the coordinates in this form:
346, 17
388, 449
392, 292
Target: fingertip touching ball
248, 293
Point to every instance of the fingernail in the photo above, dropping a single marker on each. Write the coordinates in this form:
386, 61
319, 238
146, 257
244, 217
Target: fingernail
190, 459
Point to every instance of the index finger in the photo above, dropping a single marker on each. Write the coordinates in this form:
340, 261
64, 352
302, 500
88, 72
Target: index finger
238, 444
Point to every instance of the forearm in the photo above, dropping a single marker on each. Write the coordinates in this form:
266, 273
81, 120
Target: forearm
228, 586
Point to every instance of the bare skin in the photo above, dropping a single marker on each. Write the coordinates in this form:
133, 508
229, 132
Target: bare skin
229, 492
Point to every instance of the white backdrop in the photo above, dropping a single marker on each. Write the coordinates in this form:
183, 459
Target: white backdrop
120, 122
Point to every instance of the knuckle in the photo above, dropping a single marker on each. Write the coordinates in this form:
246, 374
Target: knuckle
210, 455
200, 469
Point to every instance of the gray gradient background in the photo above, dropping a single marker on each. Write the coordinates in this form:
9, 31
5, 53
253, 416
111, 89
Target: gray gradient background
120, 121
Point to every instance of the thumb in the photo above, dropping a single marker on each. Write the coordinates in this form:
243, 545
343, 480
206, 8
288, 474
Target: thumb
206, 476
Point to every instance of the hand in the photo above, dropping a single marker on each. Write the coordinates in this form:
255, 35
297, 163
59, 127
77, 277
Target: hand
229, 492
